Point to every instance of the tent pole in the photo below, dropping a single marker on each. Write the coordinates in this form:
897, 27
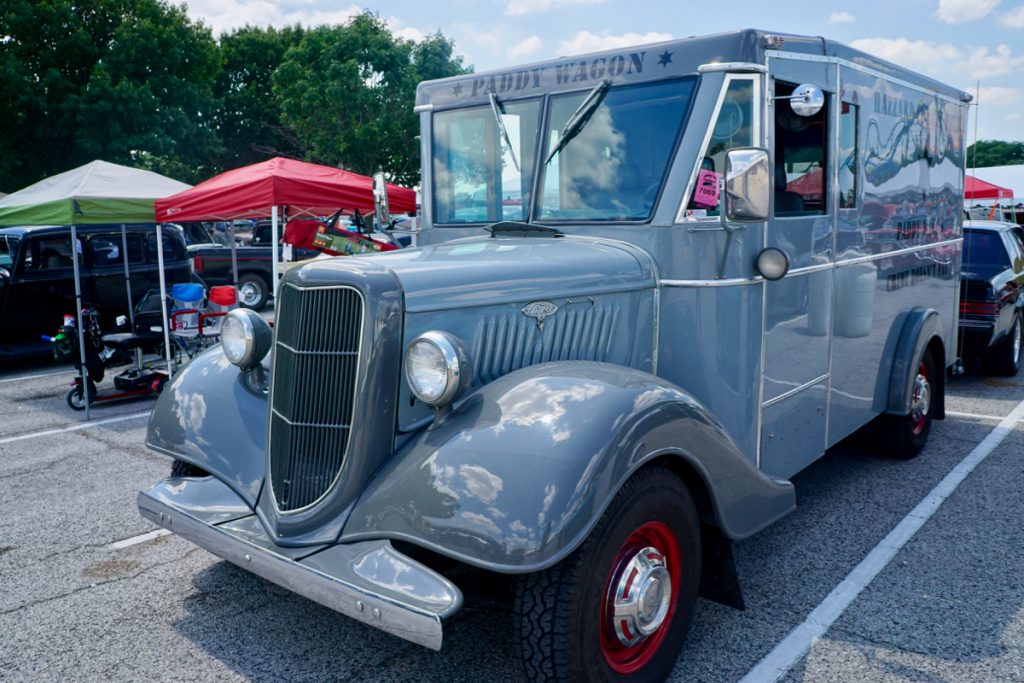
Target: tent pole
234, 257
128, 288
81, 327
163, 295
274, 251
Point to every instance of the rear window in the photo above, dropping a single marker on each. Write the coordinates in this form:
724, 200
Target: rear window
984, 247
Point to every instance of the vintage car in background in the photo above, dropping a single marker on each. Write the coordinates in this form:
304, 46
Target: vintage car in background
37, 284
572, 402
992, 295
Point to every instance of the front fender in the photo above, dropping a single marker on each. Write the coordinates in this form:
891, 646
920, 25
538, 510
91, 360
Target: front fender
516, 476
214, 416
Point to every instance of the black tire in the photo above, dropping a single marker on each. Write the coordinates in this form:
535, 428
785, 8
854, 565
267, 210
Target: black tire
76, 399
1004, 358
180, 468
564, 621
904, 436
253, 291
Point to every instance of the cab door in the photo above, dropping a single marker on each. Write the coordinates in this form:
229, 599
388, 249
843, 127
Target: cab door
797, 308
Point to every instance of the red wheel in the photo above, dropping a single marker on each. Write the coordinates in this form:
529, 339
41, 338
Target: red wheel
638, 606
920, 400
620, 606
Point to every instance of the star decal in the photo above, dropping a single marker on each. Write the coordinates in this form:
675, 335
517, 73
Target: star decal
457, 90
664, 58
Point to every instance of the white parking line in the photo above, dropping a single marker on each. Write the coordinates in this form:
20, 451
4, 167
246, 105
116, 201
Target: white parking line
74, 427
135, 540
975, 416
795, 645
44, 374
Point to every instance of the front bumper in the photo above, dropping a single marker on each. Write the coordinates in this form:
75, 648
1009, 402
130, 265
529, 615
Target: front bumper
369, 581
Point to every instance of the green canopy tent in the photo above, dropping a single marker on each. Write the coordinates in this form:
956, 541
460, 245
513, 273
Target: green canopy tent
99, 193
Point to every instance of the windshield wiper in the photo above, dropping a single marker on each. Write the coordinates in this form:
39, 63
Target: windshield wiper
496, 108
580, 117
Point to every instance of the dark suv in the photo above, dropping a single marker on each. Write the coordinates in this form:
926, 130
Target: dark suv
37, 283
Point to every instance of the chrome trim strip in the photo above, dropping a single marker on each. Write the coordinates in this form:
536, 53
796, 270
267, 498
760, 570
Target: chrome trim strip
833, 156
796, 390
657, 330
355, 393
345, 594
897, 252
420, 108
712, 67
801, 57
726, 282
811, 269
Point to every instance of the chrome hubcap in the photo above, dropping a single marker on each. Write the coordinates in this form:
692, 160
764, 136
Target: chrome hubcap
1016, 339
921, 401
248, 294
642, 597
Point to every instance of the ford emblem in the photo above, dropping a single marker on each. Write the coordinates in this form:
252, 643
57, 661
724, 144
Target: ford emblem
539, 310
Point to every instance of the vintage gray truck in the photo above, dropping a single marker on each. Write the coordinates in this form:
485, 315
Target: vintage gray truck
650, 286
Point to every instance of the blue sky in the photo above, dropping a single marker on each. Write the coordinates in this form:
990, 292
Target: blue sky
956, 41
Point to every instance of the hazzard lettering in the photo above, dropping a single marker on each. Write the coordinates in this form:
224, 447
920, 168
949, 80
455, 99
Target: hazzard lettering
568, 73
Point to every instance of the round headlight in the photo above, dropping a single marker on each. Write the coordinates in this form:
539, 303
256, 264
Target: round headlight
245, 337
436, 368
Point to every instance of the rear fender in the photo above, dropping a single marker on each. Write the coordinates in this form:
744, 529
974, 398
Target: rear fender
921, 329
516, 476
214, 416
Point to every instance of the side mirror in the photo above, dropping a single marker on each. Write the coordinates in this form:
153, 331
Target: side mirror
380, 201
747, 185
806, 100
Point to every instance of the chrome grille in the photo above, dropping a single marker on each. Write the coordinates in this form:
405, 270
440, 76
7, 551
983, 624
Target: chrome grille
316, 362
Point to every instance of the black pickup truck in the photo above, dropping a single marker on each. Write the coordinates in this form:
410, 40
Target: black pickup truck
255, 267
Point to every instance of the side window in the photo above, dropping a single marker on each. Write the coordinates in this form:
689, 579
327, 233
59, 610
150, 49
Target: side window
848, 120
49, 253
106, 250
733, 127
800, 163
173, 249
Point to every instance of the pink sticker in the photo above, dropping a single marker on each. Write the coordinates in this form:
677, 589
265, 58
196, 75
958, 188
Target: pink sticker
706, 193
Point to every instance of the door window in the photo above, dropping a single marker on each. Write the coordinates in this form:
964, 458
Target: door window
800, 163
50, 253
735, 125
106, 250
848, 156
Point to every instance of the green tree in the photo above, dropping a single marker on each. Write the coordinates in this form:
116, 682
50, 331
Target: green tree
249, 122
128, 81
995, 153
348, 92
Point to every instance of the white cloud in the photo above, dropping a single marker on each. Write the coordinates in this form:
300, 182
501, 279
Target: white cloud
225, 15
1014, 18
395, 25
525, 47
841, 18
1013, 117
944, 61
996, 96
960, 11
585, 41
520, 7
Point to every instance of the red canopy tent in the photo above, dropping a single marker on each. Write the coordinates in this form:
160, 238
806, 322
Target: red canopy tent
975, 188
254, 191
260, 190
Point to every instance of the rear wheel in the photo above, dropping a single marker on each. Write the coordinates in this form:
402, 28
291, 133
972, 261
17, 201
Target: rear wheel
620, 606
76, 397
180, 468
1005, 357
903, 436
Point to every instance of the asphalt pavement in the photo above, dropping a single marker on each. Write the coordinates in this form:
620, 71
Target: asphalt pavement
90, 593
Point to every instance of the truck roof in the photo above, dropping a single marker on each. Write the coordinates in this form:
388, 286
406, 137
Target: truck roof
653, 61
22, 230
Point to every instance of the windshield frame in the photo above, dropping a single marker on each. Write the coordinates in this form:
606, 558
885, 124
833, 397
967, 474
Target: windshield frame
542, 144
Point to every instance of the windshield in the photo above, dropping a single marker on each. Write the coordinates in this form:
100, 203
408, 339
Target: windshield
609, 168
8, 250
478, 176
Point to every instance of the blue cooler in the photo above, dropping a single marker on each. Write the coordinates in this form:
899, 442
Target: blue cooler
187, 295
